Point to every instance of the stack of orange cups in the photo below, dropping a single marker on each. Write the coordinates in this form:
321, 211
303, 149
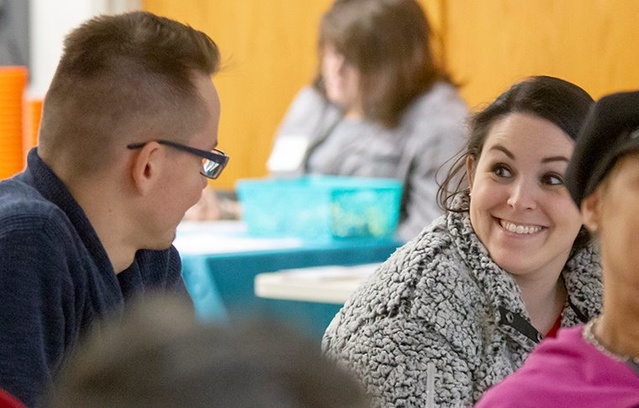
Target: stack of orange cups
32, 124
13, 82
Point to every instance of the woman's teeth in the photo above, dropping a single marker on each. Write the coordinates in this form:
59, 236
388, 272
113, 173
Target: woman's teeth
519, 229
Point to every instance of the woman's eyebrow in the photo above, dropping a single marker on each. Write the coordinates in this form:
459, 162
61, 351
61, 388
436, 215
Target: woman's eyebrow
544, 160
555, 158
503, 150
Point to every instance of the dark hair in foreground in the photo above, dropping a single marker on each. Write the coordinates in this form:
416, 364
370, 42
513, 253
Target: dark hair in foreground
158, 356
558, 101
122, 77
389, 42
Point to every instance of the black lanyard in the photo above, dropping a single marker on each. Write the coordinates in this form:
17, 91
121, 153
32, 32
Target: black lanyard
523, 326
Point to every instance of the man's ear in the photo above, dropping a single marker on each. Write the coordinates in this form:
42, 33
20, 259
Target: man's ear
470, 170
146, 166
591, 210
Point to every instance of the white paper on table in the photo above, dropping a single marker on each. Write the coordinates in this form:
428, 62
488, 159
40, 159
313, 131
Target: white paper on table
197, 238
330, 273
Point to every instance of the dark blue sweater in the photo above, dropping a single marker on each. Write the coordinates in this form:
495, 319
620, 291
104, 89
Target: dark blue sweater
56, 278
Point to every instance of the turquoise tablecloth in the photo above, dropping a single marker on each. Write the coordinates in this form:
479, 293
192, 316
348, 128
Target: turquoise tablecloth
220, 263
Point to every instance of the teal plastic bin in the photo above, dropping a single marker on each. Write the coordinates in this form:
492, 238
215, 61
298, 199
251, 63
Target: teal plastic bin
320, 207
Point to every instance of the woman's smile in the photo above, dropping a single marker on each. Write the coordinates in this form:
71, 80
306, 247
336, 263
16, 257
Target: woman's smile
520, 229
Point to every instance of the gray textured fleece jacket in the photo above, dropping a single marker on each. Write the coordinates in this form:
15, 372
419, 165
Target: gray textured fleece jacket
441, 299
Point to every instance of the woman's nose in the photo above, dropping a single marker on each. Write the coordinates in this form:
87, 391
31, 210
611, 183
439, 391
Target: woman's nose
522, 196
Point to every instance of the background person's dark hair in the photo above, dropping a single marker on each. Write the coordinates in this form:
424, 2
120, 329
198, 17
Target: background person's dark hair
158, 356
389, 42
122, 77
560, 102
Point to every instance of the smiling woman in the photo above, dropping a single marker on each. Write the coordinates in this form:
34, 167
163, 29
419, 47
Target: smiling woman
475, 292
596, 365
521, 211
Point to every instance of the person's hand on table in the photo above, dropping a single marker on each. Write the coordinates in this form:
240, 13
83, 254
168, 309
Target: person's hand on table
213, 207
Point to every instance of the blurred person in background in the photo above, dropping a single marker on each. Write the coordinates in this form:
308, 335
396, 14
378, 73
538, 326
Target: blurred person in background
596, 365
380, 106
157, 356
479, 288
126, 145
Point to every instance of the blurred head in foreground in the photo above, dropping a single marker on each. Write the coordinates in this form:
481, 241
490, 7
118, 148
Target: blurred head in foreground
158, 356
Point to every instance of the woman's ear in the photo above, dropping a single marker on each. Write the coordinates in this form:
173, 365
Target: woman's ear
145, 166
470, 170
591, 209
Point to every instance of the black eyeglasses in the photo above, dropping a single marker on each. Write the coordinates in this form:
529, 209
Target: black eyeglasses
213, 162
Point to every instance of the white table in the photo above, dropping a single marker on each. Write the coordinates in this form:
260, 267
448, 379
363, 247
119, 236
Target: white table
323, 284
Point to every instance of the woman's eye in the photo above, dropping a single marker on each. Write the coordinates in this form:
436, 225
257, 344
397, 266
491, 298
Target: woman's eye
553, 179
501, 170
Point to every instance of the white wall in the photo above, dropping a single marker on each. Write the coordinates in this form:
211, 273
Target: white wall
50, 21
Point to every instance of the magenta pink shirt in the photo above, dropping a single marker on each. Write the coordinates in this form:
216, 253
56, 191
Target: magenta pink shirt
566, 371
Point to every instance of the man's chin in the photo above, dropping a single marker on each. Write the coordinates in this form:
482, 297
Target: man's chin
163, 244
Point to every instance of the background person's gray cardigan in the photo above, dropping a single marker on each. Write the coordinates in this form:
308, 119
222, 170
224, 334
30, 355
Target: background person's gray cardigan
432, 129
438, 299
